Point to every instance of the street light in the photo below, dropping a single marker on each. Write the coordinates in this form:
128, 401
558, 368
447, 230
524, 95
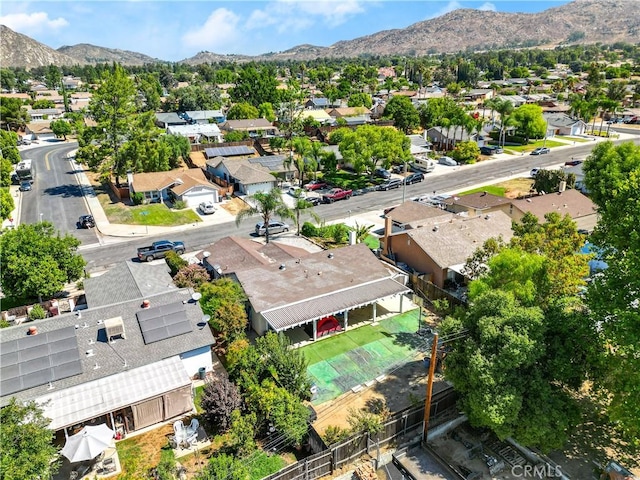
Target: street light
404, 182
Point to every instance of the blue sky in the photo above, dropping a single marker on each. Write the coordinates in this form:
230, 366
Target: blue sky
175, 30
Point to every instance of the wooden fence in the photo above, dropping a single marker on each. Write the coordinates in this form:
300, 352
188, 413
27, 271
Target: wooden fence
432, 292
341, 454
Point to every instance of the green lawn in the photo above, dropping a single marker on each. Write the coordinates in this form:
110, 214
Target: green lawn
151, 214
492, 189
198, 396
347, 180
532, 146
573, 139
372, 242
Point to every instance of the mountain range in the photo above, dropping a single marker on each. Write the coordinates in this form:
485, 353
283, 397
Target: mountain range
581, 21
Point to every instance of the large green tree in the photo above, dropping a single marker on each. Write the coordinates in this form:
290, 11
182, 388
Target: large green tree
6, 203
612, 175
193, 97
529, 121
13, 114
26, 442
61, 128
369, 146
223, 299
242, 110
256, 85
404, 115
112, 106
36, 260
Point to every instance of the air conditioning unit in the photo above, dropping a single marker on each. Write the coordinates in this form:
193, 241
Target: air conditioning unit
114, 328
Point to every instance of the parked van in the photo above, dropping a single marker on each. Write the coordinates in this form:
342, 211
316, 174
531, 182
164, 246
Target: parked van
423, 164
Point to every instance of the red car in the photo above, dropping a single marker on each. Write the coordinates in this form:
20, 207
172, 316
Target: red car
315, 185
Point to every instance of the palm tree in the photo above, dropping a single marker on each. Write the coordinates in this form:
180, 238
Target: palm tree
315, 153
266, 205
362, 231
303, 205
504, 108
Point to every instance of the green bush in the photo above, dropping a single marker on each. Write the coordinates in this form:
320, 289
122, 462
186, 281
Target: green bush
37, 312
309, 230
179, 205
137, 198
166, 469
175, 262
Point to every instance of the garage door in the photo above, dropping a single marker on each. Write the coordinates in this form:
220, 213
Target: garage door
193, 200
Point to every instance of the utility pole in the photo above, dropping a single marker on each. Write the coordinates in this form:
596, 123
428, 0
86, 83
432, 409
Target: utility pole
432, 369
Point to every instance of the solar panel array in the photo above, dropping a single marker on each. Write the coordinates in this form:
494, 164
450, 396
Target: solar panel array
38, 359
166, 321
228, 151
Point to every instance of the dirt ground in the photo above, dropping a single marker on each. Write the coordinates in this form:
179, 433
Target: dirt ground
234, 205
516, 187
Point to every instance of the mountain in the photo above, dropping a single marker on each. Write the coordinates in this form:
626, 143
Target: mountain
581, 21
85, 53
18, 50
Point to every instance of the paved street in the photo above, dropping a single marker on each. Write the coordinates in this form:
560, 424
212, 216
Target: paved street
62, 193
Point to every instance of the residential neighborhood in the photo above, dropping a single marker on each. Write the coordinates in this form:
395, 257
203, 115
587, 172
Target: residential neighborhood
350, 268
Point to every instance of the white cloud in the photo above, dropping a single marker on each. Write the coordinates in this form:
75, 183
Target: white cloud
32, 23
449, 7
488, 6
219, 32
333, 12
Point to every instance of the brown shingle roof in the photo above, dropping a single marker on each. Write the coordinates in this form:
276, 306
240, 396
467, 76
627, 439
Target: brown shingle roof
153, 181
248, 124
452, 242
192, 178
570, 202
416, 213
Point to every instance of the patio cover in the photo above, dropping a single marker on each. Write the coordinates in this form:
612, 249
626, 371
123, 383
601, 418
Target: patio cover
305, 311
99, 397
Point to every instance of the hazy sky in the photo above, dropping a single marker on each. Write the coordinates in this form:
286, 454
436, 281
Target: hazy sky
175, 30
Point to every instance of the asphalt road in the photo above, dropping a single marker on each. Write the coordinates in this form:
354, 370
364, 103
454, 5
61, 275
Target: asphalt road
58, 197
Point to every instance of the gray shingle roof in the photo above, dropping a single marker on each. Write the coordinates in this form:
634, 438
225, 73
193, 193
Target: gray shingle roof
478, 200
127, 281
111, 357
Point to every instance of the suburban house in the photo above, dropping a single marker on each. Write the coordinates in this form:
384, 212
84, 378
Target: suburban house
447, 138
419, 144
39, 130
562, 124
39, 114
478, 203
478, 95
439, 249
255, 127
318, 103
413, 214
71, 83
569, 202
248, 176
128, 360
206, 116
167, 119
190, 186
197, 132
231, 254
350, 112
298, 294
320, 116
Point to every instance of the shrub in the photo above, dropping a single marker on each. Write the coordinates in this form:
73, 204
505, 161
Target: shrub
179, 204
37, 313
175, 262
219, 400
166, 469
334, 434
309, 230
191, 276
137, 198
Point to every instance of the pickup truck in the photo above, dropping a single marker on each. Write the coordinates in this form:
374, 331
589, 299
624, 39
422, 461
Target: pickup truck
159, 249
336, 194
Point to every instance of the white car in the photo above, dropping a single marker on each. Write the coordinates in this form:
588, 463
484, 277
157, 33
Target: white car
207, 208
534, 172
274, 227
447, 161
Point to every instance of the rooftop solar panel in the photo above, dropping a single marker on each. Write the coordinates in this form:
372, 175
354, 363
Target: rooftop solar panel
166, 321
38, 359
228, 151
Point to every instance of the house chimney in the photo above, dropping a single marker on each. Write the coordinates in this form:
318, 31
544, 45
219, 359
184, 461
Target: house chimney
130, 179
388, 226
32, 331
562, 187
146, 304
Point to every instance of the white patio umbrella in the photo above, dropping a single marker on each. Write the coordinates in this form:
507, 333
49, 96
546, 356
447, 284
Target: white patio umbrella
88, 443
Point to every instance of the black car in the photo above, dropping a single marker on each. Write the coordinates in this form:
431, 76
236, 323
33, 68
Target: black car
314, 200
25, 186
490, 150
413, 178
382, 173
86, 221
389, 184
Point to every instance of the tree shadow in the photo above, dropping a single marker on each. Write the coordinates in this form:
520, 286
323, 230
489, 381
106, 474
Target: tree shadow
66, 191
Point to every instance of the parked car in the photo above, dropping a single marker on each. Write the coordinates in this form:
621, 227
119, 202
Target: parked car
447, 161
540, 151
573, 163
160, 249
490, 150
413, 178
25, 186
86, 221
382, 173
534, 171
295, 191
389, 184
315, 185
314, 200
274, 227
207, 208
336, 194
